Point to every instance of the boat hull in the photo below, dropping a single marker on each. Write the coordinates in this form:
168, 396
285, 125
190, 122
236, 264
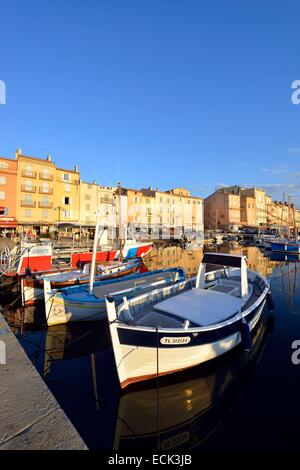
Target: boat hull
285, 247
151, 354
76, 304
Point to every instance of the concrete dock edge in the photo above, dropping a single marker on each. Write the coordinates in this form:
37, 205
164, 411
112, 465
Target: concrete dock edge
30, 416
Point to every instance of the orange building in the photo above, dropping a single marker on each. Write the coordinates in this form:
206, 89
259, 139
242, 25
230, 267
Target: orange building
8, 193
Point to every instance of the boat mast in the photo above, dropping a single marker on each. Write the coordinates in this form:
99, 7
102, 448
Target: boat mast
289, 217
120, 222
92, 273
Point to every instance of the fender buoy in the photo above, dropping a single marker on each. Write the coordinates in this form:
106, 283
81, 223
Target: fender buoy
246, 335
270, 302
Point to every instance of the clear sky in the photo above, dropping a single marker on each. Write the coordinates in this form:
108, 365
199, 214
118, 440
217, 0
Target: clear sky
192, 93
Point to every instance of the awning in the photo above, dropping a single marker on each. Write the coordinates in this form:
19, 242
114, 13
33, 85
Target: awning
6, 222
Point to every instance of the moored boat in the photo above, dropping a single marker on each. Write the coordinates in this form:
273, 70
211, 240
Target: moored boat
202, 400
32, 287
39, 258
285, 245
82, 303
174, 328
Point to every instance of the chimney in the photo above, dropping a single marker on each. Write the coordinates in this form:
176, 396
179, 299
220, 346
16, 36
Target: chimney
18, 152
49, 158
76, 168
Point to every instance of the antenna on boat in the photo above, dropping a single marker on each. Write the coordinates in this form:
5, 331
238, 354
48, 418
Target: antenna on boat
92, 273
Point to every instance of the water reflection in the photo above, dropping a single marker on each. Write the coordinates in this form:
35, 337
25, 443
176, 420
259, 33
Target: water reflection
201, 408
190, 410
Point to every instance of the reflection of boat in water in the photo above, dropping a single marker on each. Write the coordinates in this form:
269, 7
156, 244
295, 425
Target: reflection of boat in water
278, 256
69, 341
189, 411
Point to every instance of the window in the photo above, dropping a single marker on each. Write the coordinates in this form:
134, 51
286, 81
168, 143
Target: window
28, 169
66, 177
2, 196
45, 214
66, 214
4, 211
2, 180
67, 188
87, 197
45, 199
67, 201
3, 165
28, 185
27, 213
88, 207
28, 197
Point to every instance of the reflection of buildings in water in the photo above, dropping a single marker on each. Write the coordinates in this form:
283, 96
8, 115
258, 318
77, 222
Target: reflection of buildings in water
188, 411
173, 256
190, 259
255, 258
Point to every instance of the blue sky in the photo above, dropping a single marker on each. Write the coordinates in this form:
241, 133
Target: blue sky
167, 93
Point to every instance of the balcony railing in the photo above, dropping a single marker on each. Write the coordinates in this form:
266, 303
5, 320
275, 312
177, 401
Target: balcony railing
45, 190
106, 200
29, 174
45, 205
28, 189
46, 176
28, 203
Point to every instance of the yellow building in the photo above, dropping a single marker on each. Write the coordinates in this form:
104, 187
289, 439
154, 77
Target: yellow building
89, 200
35, 191
67, 196
164, 214
260, 198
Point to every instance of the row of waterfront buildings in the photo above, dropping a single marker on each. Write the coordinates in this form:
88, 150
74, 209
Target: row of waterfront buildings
36, 194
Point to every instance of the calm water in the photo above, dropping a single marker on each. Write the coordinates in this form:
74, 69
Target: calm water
243, 401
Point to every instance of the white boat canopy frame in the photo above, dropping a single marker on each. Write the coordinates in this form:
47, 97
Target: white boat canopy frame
226, 260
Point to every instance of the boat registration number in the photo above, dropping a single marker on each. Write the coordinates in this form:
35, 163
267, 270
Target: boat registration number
174, 341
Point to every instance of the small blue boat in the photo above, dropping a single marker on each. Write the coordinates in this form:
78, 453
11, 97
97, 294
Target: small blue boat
286, 245
80, 303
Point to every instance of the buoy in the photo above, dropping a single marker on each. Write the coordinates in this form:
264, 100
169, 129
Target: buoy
246, 335
270, 301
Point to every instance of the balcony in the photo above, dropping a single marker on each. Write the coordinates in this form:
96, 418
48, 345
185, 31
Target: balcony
106, 200
46, 176
28, 203
29, 174
28, 189
45, 205
45, 190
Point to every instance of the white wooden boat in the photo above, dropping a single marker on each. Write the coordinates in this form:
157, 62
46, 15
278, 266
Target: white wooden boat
202, 400
80, 303
181, 326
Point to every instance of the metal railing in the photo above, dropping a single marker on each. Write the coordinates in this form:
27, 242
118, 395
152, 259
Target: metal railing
45, 205
29, 174
46, 176
45, 190
28, 203
28, 189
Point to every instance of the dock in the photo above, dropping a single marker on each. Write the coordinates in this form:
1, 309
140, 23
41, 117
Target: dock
31, 418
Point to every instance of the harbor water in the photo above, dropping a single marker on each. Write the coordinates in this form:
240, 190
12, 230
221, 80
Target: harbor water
245, 400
